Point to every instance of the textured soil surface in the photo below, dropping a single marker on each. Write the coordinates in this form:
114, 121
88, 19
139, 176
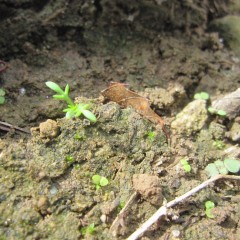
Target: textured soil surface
165, 51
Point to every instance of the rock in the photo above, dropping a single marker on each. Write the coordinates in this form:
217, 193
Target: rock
230, 103
158, 97
234, 133
229, 28
49, 129
192, 118
149, 187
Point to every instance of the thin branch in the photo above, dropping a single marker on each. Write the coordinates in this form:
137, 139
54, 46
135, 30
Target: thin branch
117, 222
162, 211
7, 127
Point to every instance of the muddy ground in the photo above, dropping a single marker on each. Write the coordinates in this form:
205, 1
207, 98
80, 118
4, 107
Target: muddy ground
164, 50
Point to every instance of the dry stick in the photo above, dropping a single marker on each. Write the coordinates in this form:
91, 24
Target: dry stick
119, 217
163, 210
7, 127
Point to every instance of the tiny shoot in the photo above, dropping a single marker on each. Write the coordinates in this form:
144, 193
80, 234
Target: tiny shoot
99, 181
221, 113
73, 110
69, 159
209, 205
201, 95
219, 144
151, 136
185, 165
223, 167
90, 229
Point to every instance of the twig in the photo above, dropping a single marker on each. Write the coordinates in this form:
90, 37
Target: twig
117, 222
163, 210
7, 127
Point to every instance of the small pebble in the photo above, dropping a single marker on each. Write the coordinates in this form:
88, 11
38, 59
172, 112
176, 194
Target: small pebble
22, 91
176, 233
53, 190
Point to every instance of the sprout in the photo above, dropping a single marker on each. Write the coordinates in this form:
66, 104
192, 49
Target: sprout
73, 110
223, 167
99, 181
201, 95
209, 205
221, 113
186, 165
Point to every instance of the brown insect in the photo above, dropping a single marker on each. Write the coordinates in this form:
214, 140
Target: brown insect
117, 92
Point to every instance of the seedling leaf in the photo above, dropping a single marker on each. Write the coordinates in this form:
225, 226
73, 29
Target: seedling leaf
96, 179
103, 182
212, 170
220, 167
89, 115
209, 205
67, 88
212, 110
232, 165
55, 87
221, 113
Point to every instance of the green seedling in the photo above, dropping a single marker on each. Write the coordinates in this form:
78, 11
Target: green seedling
69, 159
232, 165
209, 205
201, 95
219, 144
2, 96
221, 113
223, 167
151, 136
99, 181
121, 205
73, 110
186, 166
90, 229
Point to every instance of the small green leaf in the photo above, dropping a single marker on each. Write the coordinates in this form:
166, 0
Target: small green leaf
69, 159
220, 166
187, 168
89, 115
67, 88
219, 144
60, 97
211, 170
184, 161
103, 182
151, 135
90, 229
209, 204
55, 87
96, 179
2, 100
186, 165
233, 165
221, 113
212, 110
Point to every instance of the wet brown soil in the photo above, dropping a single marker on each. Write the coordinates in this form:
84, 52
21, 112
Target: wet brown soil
163, 50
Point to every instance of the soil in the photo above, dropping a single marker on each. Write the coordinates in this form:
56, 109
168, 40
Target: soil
163, 50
